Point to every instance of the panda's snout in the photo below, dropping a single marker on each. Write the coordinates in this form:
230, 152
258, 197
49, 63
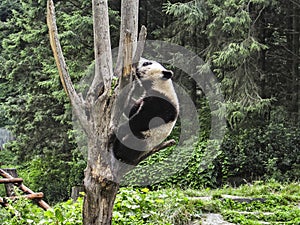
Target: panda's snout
167, 74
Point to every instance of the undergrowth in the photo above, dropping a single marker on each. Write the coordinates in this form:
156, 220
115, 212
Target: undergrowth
279, 205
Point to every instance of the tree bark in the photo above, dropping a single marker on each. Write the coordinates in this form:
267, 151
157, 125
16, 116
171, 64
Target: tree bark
106, 195
102, 48
100, 194
100, 182
129, 23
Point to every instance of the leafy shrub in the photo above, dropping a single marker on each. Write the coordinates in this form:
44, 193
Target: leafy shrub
271, 151
172, 206
131, 207
262, 152
160, 207
24, 212
20, 212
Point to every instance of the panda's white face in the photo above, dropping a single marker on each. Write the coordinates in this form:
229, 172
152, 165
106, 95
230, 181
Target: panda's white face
155, 77
152, 71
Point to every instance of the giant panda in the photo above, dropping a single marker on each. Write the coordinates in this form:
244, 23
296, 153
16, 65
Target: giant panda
152, 117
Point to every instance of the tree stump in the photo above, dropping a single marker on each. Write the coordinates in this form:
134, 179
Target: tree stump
76, 190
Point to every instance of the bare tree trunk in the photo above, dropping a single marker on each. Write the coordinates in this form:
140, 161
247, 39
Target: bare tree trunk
100, 182
101, 185
99, 201
100, 188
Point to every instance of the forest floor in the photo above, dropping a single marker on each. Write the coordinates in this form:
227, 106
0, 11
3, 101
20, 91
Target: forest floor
254, 204
217, 218
259, 203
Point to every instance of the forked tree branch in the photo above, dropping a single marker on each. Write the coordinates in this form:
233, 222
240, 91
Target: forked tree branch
140, 45
130, 58
76, 101
58, 54
102, 48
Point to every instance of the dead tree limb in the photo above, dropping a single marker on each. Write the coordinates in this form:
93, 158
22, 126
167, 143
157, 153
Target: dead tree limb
77, 102
102, 48
127, 61
129, 23
140, 46
58, 55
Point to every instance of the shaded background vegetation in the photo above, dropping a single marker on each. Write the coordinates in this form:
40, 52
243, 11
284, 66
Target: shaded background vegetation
251, 46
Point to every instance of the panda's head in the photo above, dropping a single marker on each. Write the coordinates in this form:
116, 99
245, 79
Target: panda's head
148, 70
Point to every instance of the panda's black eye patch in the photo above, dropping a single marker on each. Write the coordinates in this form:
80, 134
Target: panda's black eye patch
167, 74
147, 63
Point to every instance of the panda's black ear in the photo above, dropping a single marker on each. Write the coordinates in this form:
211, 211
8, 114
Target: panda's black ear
167, 74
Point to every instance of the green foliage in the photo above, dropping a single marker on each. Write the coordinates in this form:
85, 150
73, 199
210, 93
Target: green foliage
237, 39
20, 212
146, 207
280, 205
32, 101
173, 206
266, 151
243, 43
245, 154
24, 212
67, 213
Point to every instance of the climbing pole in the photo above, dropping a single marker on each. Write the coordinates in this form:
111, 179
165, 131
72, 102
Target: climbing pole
29, 194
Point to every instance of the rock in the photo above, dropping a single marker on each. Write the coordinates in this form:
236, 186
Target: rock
243, 199
214, 219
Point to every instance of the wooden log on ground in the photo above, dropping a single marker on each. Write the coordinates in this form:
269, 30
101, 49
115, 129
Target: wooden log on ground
26, 190
13, 180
